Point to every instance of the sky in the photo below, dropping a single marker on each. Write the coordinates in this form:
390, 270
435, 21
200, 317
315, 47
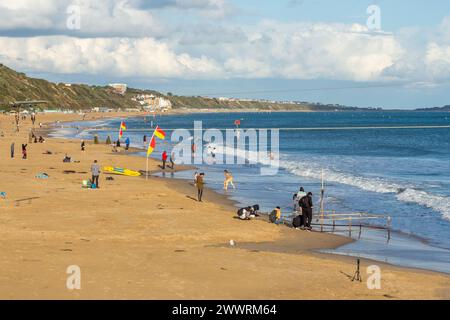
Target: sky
377, 53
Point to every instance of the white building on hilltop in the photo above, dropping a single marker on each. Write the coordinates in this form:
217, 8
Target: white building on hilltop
119, 88
150, 102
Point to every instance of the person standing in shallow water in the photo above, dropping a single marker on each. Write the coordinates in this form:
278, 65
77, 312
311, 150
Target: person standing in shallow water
200, 184
228, 180
172, 160
164, 160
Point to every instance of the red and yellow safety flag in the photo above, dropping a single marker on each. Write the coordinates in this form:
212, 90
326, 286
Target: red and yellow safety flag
151, 147
160, 133
123, 127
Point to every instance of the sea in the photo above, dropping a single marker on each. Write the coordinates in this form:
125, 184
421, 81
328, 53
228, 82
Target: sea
386, 163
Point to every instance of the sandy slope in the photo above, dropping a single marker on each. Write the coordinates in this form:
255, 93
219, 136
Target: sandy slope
150, 240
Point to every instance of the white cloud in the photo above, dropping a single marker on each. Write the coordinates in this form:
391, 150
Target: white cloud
127, 38
309, 51
102, 18
122, 57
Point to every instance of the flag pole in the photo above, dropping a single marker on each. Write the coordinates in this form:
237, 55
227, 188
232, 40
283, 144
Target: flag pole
322, 195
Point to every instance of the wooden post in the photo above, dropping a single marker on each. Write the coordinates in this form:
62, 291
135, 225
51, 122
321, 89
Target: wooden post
389, 228
332, 218
360, 226
322, 212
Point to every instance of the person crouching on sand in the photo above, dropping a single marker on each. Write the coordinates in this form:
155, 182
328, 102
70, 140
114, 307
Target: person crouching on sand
228, 180
275, 216
200, 182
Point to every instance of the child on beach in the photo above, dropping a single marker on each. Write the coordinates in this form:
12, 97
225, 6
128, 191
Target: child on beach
228, 180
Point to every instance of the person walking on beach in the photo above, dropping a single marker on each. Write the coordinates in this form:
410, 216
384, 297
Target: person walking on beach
24, 151
164, 160
127, 144
95, 170
200, 182
228, 180
83, 145
12, 150
307, 206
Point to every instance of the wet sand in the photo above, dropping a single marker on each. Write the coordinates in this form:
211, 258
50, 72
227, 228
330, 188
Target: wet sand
150, 239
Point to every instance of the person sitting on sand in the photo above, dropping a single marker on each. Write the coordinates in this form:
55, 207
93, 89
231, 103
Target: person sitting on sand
248, 213
275, 216
244, 214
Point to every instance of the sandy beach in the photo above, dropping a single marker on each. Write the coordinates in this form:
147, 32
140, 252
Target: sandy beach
139, 239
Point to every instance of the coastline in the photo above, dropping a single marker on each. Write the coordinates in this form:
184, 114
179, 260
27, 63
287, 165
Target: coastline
189, 230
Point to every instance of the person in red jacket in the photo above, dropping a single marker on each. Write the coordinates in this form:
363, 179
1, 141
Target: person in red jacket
164, 160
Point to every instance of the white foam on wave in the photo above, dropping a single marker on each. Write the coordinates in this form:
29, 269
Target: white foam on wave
404, 193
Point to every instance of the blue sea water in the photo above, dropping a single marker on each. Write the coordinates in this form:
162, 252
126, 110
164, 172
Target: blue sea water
401, 172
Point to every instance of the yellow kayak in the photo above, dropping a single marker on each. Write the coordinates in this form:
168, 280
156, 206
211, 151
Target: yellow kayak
121, 171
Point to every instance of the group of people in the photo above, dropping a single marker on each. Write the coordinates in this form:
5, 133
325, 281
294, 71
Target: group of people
303, 207
24, 150
164, 158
